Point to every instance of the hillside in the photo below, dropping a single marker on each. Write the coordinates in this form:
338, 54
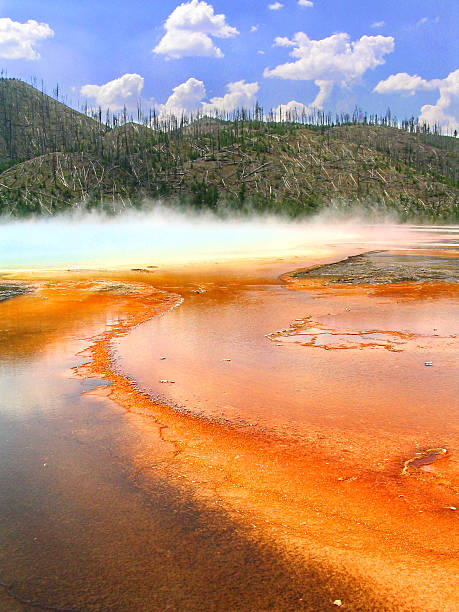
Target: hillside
55, 158
32, 123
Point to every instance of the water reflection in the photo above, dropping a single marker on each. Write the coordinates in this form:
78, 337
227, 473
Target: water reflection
286, 490
77, 532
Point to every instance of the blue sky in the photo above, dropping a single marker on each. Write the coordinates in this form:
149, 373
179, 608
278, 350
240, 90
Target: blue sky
330, 54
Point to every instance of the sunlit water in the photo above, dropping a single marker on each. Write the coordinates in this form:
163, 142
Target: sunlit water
78, 532
229, 357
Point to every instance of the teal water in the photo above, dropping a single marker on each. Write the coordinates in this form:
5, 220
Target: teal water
134, 239
150, 238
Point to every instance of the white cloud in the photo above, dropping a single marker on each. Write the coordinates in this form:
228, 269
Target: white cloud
240, 95
325, 89
305, 3
424, 21
189, 31
190, 97
378, 24
402, 82
283, 41
176, 44
185, 98
293, 107
445, 112
124, 91
254, 28
17, 40
275, 6
334, 60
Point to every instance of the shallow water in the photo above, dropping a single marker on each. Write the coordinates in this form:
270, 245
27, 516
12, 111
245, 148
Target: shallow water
216, 351
353, 403
78, 530
274, 482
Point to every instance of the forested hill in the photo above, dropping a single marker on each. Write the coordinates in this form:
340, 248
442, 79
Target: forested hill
54, 158
34, 124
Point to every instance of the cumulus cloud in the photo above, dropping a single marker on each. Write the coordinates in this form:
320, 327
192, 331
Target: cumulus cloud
185, 98
17, 40
294, 108
325, 89
291, 110
190, 29
283, 41
240, 95
190, 97
334, 60
124, 91
378, 24
445, 112
402, 82
305, 3
275, 6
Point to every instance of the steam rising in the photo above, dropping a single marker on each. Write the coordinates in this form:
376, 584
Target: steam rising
167, 236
